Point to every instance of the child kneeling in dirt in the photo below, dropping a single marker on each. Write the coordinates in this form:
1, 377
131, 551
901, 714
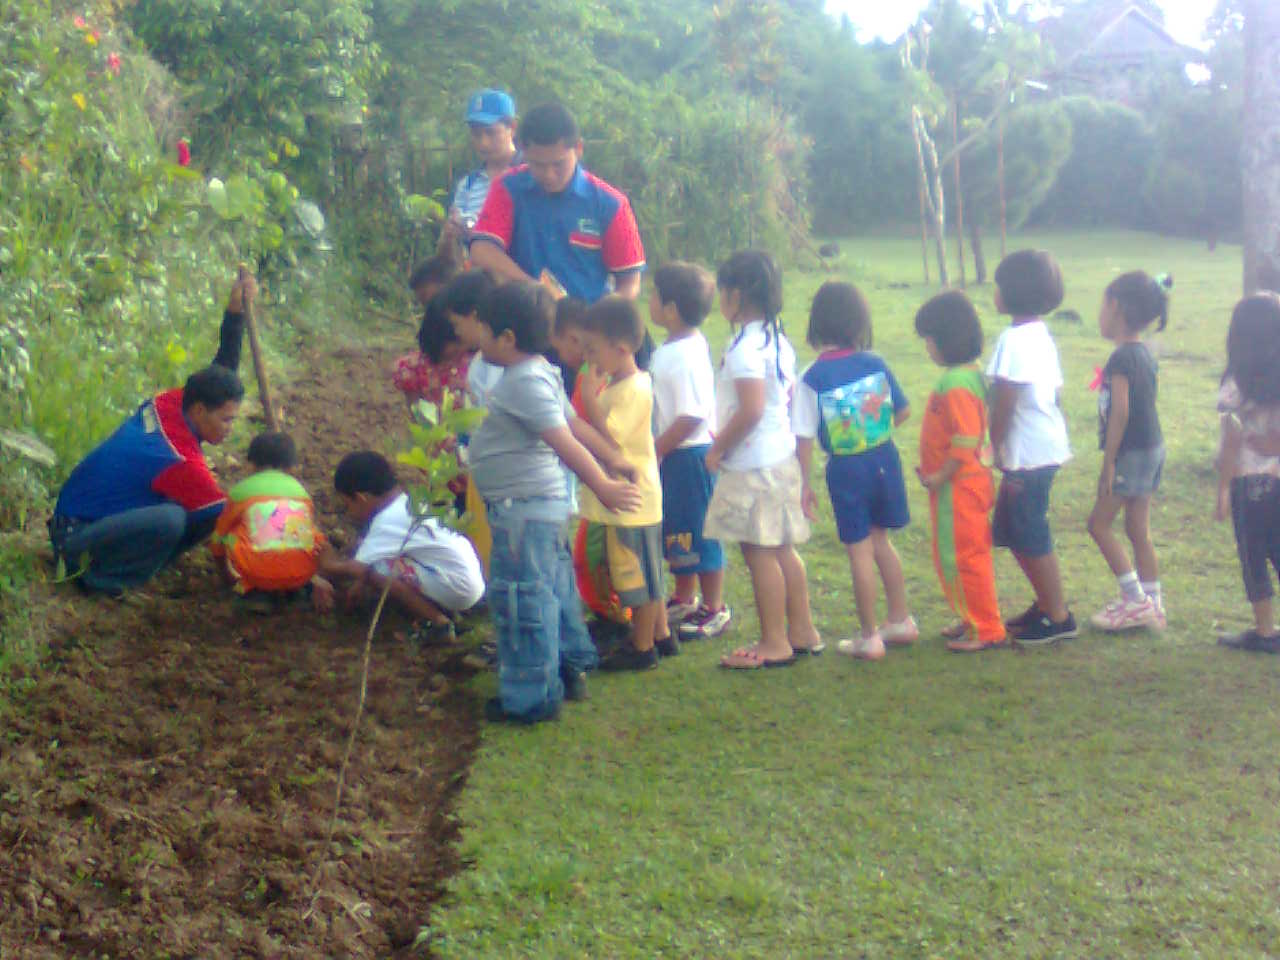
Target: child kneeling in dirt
266, 537
434, 572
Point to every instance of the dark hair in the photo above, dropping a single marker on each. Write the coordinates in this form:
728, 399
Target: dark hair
1253, 348
436, 331
273, 451
951, 322
364, 472
465, 293
1030, 283
548, 124
839, 317
214, 386
756, 277
570, 314
690, 287
438, 269
1142, 298
618, 320
523, 307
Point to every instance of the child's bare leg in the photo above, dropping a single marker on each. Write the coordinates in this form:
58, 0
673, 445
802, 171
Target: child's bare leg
769, 587
686, 585
1046, 581
1264, 617
862, 565
890, 566
415, 604
645, 626
713, 588
801, 633
1137, 526
1104, 514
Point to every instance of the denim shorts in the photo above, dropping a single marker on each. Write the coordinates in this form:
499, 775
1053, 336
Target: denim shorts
687, 486
1021, 520
1138, 473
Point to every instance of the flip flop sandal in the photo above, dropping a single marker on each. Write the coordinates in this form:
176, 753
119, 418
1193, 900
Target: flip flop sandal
954, 630
974, 646
814, 651
745, 659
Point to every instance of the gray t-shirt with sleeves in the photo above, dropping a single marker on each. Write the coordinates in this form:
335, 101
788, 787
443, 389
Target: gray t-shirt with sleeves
507, 454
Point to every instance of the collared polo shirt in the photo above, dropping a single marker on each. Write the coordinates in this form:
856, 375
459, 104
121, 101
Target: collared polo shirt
583, 235
472, 190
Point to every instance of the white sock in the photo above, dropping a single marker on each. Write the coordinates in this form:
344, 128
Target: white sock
1130, 588
1152, 590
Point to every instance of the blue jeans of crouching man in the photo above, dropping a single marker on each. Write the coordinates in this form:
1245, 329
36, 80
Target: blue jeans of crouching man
537, 615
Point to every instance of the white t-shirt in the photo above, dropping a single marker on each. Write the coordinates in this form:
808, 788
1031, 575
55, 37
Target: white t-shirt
445, 559
1026, 355
749, 357
684, 385
482, 377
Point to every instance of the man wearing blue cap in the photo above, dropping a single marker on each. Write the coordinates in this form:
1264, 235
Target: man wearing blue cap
491, 115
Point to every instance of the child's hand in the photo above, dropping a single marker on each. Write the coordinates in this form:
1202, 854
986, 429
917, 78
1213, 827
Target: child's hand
593, 381
243, 291
619, 466
1106, 479
808, 502
1223, 509
352, 596
321, 594
620, 496
713, 459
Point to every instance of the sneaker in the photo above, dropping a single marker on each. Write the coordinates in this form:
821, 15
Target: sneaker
575, 685
1161, 621
678, 611
900, 634
607, 634
1042, 631
1123, 614
863, 648
627, 657
704, 623
1250, 640
1014, 624
667, 647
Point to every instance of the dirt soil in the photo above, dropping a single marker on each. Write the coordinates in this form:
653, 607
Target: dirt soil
167, 784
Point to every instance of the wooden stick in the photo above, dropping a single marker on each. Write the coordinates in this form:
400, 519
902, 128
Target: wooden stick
259, 368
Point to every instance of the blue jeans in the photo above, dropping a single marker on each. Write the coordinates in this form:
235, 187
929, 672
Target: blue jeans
537, 614
127, 549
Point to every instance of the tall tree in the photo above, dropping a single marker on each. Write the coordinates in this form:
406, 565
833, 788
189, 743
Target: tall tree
1261, 153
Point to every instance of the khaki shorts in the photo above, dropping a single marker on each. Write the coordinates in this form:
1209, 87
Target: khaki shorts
760, 507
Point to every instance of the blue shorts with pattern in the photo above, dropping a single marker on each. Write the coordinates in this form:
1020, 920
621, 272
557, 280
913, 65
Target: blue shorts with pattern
687, 485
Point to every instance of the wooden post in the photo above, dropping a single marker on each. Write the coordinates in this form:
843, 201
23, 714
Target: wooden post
955, 143
259, 368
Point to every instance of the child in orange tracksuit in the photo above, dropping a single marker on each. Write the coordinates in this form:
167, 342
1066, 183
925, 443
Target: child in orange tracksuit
267, 536
957, 475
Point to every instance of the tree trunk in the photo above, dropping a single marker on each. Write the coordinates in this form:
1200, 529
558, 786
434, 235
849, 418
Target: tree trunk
1004, 205
955, 144
979, 260
1261, 147
931, 191
924, 235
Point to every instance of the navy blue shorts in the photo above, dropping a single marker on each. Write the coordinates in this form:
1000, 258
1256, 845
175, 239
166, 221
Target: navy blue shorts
686, 490
867, 491
1021, 520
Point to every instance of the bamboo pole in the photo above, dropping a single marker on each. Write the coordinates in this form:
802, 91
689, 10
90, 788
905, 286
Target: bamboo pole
259, 368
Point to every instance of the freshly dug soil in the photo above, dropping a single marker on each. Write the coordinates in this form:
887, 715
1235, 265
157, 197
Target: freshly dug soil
167, 780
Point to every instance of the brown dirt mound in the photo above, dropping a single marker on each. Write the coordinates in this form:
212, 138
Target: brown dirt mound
167, 785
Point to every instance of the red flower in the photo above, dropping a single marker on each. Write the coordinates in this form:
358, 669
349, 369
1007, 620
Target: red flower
113, 63
80, 23
184, 153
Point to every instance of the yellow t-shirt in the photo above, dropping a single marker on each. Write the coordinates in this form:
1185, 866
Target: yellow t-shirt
628, 414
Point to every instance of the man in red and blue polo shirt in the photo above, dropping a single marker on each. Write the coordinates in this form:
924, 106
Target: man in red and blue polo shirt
145, 494
550, 220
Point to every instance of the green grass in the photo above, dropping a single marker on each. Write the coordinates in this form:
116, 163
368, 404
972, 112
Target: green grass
1114, 797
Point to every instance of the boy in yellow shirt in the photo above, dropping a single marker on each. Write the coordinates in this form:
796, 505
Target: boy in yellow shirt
614, 331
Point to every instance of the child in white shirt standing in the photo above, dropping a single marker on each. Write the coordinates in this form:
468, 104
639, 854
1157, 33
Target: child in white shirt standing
1029, 436
757, 497
684, 421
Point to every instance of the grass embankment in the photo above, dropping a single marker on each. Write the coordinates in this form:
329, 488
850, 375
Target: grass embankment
1114, 797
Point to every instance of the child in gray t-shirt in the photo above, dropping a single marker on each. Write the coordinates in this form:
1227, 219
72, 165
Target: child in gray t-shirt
516, 458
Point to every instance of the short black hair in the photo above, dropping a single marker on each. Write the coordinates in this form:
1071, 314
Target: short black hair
436, 331
438, 269
690, 287
548, 124
465, 293
756, 277
1142, 298
214, 386
618, 320
570, 315
1030, 283
839, 317
1253, 348
523, 307
364, 472
273, 451
951, 322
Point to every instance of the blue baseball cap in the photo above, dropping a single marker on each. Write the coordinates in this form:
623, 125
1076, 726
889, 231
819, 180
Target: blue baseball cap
489, 106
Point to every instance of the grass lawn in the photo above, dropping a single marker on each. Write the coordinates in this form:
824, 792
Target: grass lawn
1113, 797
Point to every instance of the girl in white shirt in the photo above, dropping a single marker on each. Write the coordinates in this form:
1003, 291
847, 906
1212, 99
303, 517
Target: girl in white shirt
757, 496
